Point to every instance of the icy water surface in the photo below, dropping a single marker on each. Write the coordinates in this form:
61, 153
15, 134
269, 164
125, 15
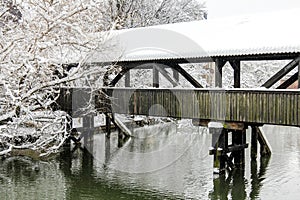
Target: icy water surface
160, 162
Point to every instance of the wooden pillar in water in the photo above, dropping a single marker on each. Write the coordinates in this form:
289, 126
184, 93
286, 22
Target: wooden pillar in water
238, 136
258, 135
155, 77
219, 144
107, 151
219, 134
108, 125
264, 146
88, 131
253, 143
239, 140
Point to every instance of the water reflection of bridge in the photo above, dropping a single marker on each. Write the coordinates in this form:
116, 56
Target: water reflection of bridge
96, 174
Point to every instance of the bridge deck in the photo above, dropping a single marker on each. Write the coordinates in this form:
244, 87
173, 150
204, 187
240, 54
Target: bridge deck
281, 107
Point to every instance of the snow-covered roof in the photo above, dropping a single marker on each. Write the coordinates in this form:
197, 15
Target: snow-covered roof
268, 33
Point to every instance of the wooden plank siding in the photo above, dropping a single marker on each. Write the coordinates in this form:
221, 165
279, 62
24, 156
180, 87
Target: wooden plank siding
281, 107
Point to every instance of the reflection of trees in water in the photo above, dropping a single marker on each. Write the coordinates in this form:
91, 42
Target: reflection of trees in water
20, 169
234, 184
105, 175
87, 183
23, 178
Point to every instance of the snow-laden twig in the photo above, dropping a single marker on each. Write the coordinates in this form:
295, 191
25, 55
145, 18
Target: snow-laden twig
6, 151
45, 136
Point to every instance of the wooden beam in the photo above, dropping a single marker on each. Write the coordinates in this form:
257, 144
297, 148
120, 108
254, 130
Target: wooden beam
260, 57
127, 79
299, 74
239, 147
264, 145
165, 73
155, 77
226, 125
118, 123
125, 68
219, 64
289, 82
236, 65
175, 75
185, 74
284, 71
118, 77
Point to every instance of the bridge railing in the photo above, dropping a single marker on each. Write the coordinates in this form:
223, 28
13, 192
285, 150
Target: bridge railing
259, 106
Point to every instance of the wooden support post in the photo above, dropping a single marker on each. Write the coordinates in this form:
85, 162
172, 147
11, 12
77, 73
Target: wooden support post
219, 143
175, 75
88, 122
88, 130
120, 137
107, 154
239, 138
108, 125
87, 161
236, 65
284, 71
264, 145
155, 77
219, 64
121, 126
299, 74
253, 143
127, 79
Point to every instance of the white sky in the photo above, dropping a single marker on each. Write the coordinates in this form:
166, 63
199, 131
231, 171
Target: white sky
224, 8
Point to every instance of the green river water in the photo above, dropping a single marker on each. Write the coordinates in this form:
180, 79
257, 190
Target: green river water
166, 161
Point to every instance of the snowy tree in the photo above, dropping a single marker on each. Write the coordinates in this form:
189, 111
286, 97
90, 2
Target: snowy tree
37, 39
141, 13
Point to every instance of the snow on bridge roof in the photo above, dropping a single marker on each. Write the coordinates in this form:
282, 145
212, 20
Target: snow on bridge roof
268, 33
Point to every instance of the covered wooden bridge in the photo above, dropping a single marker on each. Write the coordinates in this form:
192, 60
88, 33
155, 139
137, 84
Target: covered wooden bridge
272, 36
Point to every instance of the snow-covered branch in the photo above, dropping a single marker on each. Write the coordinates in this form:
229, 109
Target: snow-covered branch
38, 39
